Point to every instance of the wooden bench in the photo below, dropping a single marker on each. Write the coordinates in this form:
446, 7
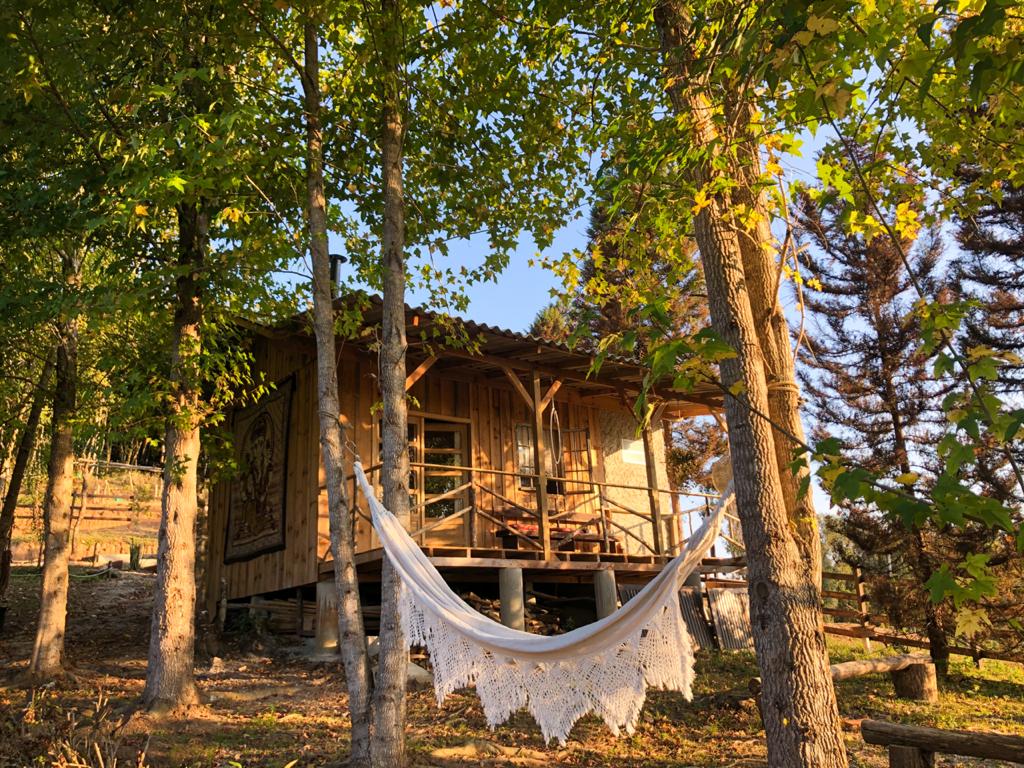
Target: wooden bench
525, 527
913, 676
913, 746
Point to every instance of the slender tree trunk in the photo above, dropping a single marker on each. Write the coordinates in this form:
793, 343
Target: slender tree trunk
26, 444
389, 694
920, 562
351, 636
938, 640
170, 684
48, 652
7, 440
800, 713
923, 569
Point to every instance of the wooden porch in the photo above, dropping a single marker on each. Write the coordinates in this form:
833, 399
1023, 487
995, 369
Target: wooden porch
542, 539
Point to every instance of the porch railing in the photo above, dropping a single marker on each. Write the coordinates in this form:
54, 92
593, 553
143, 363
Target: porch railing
611, 519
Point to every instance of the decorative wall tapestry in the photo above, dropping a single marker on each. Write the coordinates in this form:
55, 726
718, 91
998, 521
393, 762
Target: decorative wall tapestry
256, 508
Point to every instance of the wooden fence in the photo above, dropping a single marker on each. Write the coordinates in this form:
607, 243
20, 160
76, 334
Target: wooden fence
870, 626
113, 507
848, 604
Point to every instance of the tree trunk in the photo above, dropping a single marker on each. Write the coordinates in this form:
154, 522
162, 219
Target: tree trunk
26, 444
352, 638
916, 682
389, 694
170, 684
48, 652
801, 718
761, 272
7, 440
921, 565
919, 559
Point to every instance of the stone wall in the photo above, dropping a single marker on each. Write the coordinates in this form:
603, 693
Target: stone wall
624, 463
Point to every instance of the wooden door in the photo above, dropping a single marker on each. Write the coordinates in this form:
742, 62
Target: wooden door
444, 482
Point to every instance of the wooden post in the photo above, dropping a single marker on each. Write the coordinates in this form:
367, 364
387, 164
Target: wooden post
904, 741
652, 485
675, 529
510, 593
326, 641
222, 605
707, 513
605, 594
862, 600
472, 514
542, 471
603, 508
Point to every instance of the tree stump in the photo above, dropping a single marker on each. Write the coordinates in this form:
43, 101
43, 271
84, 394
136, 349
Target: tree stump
917, 682
910, 757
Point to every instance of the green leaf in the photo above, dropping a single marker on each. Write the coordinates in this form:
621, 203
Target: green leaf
924, 31
804, 487
941, 584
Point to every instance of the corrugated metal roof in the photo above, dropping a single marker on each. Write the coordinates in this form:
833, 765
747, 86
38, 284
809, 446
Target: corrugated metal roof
475, 327
617, 374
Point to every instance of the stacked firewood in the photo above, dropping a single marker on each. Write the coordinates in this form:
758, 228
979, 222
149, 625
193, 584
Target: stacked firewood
539, 620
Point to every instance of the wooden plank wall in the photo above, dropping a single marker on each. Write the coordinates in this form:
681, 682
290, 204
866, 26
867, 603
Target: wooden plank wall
296, 563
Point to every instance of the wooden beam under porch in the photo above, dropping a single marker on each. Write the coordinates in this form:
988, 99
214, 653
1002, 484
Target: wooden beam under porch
467, 564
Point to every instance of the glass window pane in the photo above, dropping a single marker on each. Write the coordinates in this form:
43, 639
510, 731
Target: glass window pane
440, 439
448, 459
442, 508
524, 455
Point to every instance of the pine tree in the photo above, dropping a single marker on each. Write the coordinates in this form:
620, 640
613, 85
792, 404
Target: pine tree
869, 384
693, 448
613, 289
629, 259
992, 271
551, 323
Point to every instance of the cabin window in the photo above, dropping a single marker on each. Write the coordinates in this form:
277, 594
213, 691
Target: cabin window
526, 459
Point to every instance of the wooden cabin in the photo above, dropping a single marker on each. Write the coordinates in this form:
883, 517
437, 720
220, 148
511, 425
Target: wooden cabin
597, 500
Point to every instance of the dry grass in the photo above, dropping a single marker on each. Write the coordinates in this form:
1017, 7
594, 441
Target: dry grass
272, 708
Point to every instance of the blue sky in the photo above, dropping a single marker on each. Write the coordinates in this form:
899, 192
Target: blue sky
522, 290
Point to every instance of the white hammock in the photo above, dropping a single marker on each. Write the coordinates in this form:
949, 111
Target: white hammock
604, 667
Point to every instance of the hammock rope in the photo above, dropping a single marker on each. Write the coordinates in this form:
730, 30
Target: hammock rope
605, 667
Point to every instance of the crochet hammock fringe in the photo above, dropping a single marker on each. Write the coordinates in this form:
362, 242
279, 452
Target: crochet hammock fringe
605, 667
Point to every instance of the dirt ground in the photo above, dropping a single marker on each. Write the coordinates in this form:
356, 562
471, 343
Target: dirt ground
266, 705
